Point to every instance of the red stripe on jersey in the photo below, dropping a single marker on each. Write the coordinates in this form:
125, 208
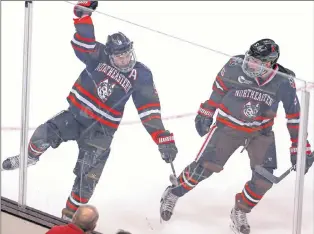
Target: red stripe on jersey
91, 113
78, 198
82, 50
155, 134
84, 20
85, 39
244, 129
71, 206
222, 83
263, 118
96, 100
224, 109
212, 103
218, 90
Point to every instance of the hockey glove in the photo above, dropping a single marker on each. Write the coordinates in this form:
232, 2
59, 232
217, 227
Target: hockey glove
204, 119
166, 146
79, 9
309, 155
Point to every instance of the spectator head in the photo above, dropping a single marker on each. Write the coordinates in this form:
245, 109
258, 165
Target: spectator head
123, 232
86, 218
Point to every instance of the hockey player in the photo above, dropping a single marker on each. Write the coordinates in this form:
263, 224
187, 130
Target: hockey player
96, 105
245, 97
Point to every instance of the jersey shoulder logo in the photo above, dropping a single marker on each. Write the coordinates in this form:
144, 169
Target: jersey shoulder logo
292, 82
234, 61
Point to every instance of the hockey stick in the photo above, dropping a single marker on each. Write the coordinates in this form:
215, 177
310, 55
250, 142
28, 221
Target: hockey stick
173, 176
173, 170
269, 176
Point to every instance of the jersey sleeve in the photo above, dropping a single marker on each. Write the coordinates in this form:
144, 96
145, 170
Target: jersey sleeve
291, 106
221, 85
147, 103
83, 42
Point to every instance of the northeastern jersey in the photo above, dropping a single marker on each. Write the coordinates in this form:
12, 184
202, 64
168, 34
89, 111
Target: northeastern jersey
101, 91
251, 105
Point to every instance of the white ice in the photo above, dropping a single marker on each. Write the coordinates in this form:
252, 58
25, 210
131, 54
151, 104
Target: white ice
128, 193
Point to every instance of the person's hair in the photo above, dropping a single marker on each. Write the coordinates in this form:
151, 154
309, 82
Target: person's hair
123, 232
86, 220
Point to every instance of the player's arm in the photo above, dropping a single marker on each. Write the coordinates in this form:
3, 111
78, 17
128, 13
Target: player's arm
291, 105
146, 100
147, 103
207, 109
219, 89
83, 41
222, 83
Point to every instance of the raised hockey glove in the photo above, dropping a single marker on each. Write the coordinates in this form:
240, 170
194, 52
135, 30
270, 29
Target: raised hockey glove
204, 119
79, 11
166, 146
309, 155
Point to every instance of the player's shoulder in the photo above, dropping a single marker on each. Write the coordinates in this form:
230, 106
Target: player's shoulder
232, 69
286, 77
234, 63
142, 67
236, 60
100, 47
143, 71
99, 53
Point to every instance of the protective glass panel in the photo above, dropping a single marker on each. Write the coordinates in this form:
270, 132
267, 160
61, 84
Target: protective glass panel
11, 87
308, 226
185, 74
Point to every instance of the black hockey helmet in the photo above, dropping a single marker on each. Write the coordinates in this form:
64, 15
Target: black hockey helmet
264, 54
121, 52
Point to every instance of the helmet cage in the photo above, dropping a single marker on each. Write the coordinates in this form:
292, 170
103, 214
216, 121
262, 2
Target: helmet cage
123, 48
256, 66
129, 66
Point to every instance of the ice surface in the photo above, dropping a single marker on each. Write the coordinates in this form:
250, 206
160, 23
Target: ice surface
135, 177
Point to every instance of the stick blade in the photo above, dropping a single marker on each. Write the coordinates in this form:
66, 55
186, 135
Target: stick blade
173, 180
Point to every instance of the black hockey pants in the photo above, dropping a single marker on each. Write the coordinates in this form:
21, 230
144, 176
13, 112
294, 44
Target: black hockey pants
221, 142
94, 148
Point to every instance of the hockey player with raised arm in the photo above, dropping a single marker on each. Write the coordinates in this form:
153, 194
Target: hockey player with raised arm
96, 105
245, 97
